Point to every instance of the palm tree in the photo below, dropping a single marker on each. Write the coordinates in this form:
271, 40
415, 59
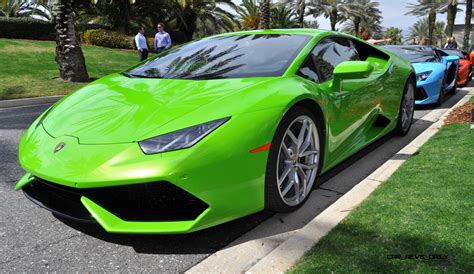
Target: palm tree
395, 34
298, 6
364, 15
249, 13
264, 14
188, 12
439, 34
419, 32
69, 56
283, 17
451, 8
467, 25
332, 9
39, 9
424, 7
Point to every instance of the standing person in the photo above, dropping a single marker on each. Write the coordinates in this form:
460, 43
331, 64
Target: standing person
162, 39
142, 46
368, 37
451, 44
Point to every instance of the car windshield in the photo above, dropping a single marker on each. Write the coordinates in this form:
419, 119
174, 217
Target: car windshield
225, 57
414, 54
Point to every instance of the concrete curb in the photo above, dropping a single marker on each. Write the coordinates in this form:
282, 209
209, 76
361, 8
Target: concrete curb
29, 101
292, 250
261, 251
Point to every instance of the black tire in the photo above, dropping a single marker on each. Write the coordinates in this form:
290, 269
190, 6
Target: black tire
401, 128
273, 199
455, 88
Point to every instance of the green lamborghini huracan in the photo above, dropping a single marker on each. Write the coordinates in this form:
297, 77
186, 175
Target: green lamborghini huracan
214, 130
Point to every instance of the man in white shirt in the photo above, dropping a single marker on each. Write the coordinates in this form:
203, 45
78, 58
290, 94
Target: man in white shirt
142, 46
162, 39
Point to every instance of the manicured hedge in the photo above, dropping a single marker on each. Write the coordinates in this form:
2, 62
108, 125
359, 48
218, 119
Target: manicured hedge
26, 28
110, 39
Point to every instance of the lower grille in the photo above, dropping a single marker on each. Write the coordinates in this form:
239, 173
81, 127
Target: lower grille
150, 202
420, 94
57, 200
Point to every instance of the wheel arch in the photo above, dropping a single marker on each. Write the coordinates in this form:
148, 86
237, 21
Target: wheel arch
451, 73
412, 76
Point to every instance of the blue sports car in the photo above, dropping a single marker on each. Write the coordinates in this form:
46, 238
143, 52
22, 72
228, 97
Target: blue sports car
436, 75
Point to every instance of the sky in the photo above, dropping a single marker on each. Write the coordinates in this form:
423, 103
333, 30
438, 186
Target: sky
393, 15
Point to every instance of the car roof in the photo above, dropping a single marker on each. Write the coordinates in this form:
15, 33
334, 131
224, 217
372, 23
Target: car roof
301, 31
411, 47
418, 48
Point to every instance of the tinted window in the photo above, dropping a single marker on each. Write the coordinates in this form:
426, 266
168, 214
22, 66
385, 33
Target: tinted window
415, 54
225, 57
330, 52
308, 71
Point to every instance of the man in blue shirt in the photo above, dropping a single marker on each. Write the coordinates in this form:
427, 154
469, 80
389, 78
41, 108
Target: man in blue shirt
142, 46
162, 39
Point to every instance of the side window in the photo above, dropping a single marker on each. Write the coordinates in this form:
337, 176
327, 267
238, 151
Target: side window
308, 71
330, 52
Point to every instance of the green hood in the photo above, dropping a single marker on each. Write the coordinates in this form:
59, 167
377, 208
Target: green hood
118, 109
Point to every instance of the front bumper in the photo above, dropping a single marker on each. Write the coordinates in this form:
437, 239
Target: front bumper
427, 91
219, 171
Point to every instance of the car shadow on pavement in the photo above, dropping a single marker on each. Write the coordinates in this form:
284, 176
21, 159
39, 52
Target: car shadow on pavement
201, 242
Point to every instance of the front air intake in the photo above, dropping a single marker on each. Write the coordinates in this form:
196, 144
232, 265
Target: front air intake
149, 202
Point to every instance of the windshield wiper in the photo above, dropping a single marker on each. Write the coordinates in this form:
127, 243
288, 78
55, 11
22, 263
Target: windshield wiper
128, 74
205, 76
140, 75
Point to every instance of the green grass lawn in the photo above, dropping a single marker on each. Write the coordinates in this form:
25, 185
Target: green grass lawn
27, 67
426, 207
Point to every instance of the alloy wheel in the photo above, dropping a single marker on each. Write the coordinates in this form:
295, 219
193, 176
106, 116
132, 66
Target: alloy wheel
298, 160
408, 107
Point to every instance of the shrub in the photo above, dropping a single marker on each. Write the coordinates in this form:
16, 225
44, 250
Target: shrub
111, 39
106, 38
26, 28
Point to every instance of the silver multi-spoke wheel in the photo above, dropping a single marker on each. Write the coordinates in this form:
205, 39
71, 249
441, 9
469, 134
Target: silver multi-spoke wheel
298, 160
408, 107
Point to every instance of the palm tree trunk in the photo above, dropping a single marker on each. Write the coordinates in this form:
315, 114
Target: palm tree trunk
301, 14
333, 19
190, 17
69, 56
264, 14
431, 25
356, 25
467, 25
452, 10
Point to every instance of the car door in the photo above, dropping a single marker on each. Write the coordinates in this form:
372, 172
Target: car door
352, 105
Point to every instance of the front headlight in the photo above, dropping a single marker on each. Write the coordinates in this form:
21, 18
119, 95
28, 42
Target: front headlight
423, 76
180, 139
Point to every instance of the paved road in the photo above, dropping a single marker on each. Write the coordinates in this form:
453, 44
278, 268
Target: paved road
31, 239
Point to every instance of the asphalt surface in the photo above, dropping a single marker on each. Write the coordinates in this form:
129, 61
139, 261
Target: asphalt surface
32, 239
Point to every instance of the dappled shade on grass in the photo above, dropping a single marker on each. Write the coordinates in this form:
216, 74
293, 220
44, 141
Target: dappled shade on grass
425, 208
27, 67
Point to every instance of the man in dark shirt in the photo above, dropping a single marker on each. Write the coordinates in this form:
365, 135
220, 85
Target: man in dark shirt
451, 44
